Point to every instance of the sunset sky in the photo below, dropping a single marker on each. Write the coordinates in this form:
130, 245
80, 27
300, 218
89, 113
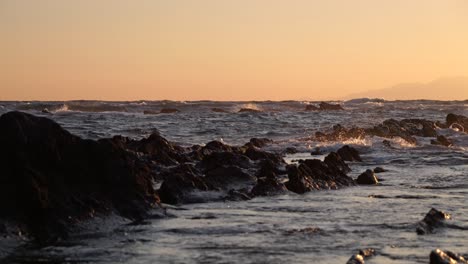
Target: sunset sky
226, 49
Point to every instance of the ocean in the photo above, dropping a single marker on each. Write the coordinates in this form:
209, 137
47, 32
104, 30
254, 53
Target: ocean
317, 227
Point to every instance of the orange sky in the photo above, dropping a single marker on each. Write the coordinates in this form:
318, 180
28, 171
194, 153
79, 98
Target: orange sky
225, 50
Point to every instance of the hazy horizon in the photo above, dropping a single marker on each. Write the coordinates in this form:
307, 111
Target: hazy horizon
231, 50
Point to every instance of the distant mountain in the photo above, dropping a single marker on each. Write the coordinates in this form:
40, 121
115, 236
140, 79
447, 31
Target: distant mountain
449, 88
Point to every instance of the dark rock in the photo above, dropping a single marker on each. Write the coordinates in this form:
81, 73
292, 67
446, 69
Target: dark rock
169, 110
150, 112
179, 182
237, 195
290, 150
361, 256
442, 141
157, 148
260, 142
379, 170
316, 152
267, 181
52, 179
367, 178
46, 111
348, 153
431, 221
387, 143
327, 106
405, 129
219, 110
256, 154
457, 121
340, 133
222, 159
314, 174
249, 110
438, 256
228, 177
323, 107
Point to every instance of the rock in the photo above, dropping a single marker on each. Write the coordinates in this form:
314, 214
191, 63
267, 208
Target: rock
405, 129
442, 141
323, 107
219, 110
169, 110
150, 112
267, 181
260, 142
317, 175
367, 178
316, 152
457, 121
340, 133
438, 256
379, 170
222, 159
249, 110
387, 143
290, 150
326, 106
157, 148
52, 179
256, 154
228, 177
431, 221
179, 182
361, 256
348, 153
46, 111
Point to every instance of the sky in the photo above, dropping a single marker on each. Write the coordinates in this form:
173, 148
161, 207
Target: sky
224, 49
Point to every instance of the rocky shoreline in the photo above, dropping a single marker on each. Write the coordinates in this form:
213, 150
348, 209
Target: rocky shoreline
53, 180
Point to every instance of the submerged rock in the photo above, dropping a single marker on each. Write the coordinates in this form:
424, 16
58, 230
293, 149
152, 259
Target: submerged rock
367, 178
379, 170
431, 221
442, 141
52, 179
438, 256
249, 110
169, 110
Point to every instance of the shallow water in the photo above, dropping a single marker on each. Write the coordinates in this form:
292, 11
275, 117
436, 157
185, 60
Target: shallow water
318, 227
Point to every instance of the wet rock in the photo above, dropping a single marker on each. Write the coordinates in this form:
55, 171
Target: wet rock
361, 256
438, 256
290, 150
256, 154
249, 110
442, 141
52, 179
323, 106
379, 170
316, 152
431, 221
340, 133
228, 177
222, 159
457, 121
157, 148
267, 181
179, 182
348, 153
260, 142
46, 111
405, 129
314, 174
169, 110
367, 178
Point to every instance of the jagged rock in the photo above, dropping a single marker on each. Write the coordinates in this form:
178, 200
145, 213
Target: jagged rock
405, 129
340, 133
442, 141
438, 256
179, 182
316, 152
157, 148
313, 174
348, 153
256, 154
431, 221
267, 180
220, 159
367, 178
52, 179
361, 256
